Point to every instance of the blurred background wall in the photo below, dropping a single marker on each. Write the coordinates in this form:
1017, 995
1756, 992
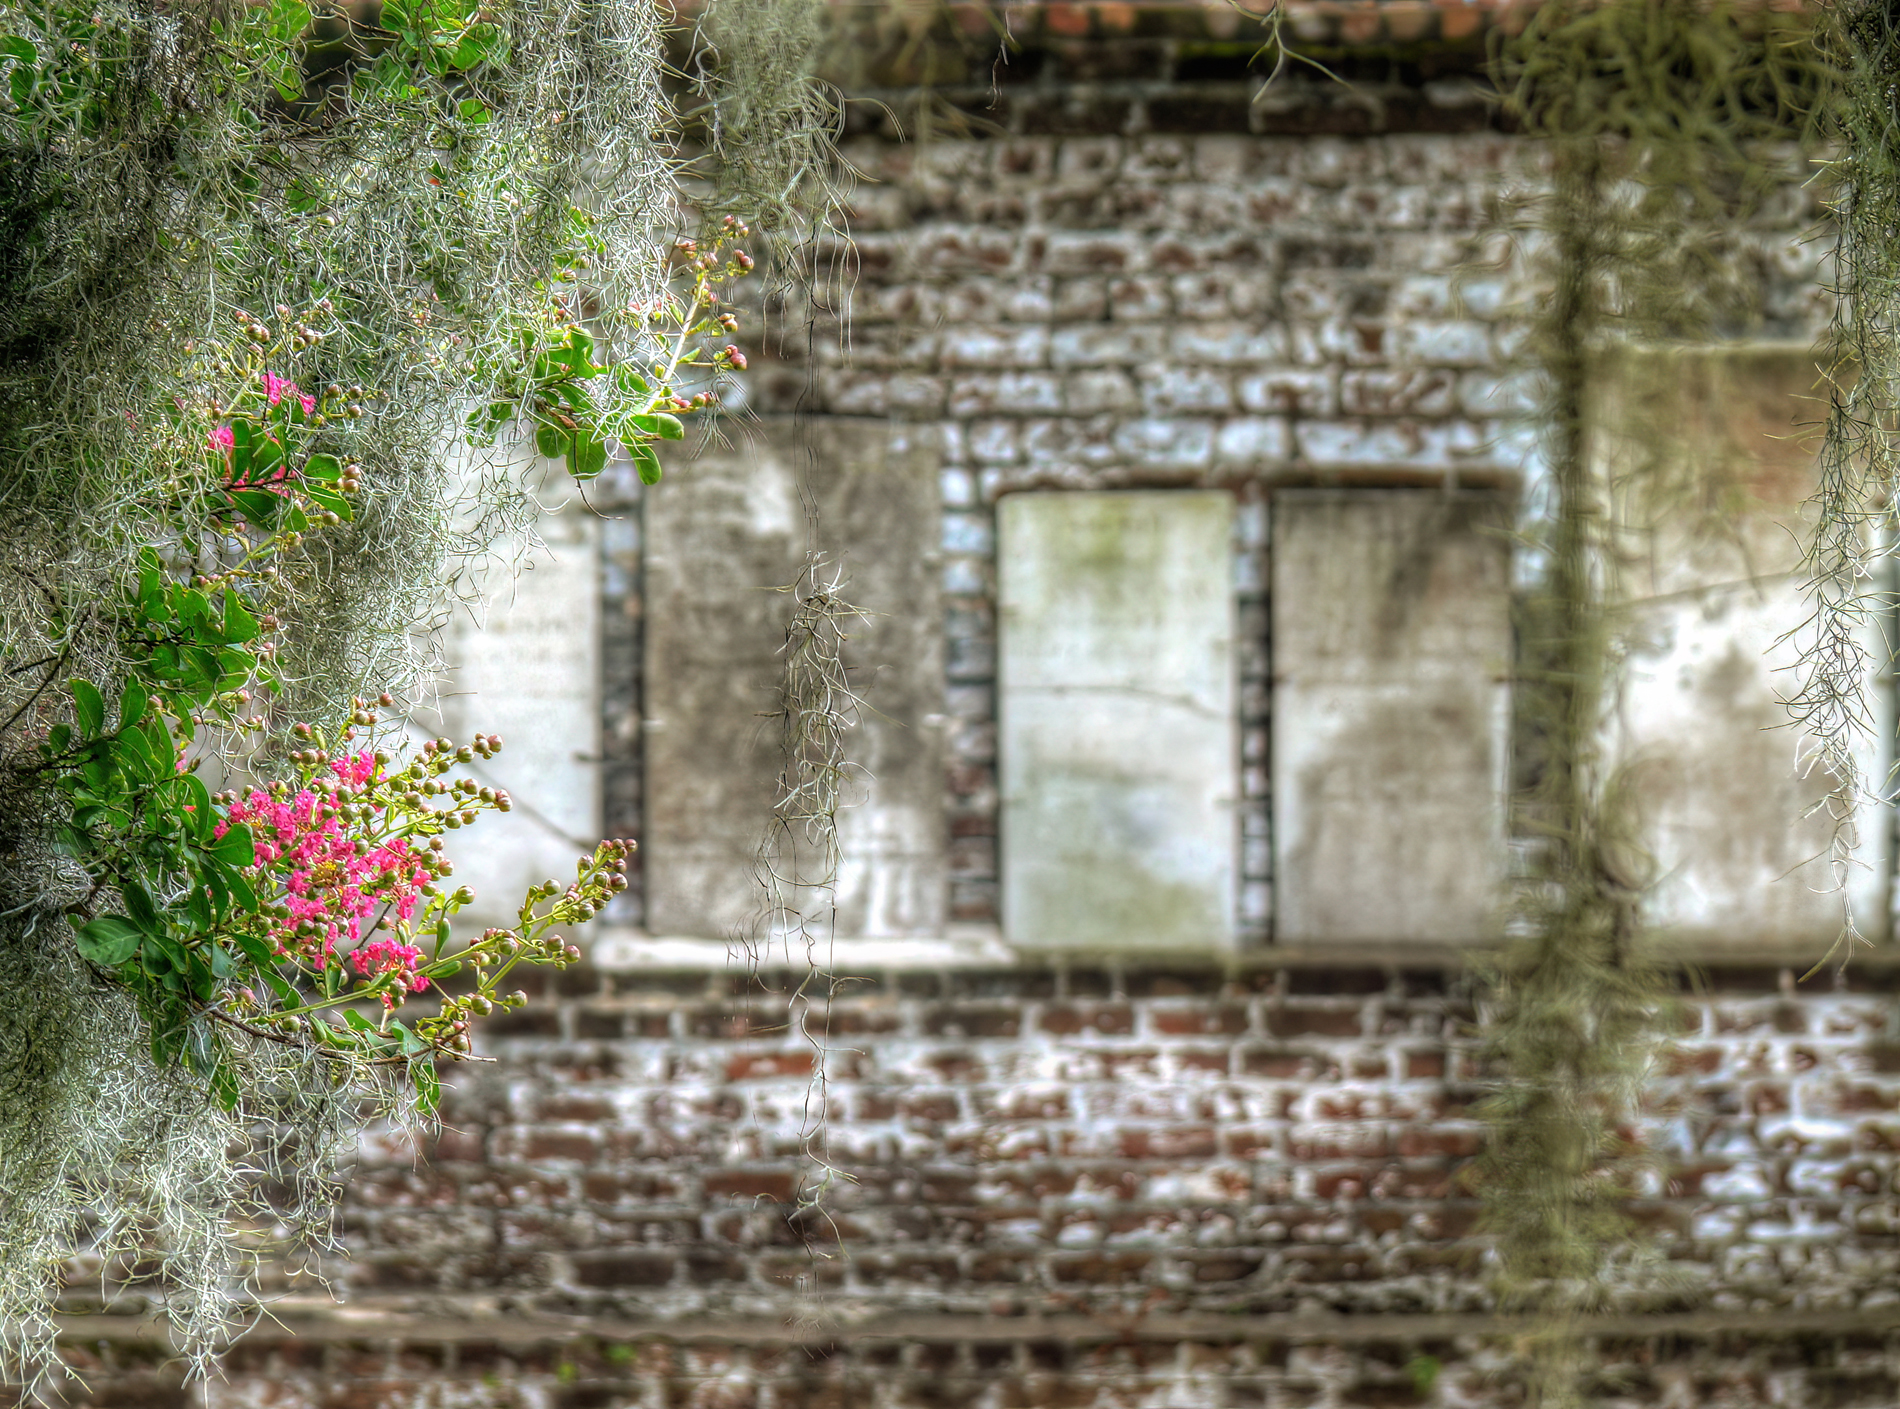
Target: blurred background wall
1175, 444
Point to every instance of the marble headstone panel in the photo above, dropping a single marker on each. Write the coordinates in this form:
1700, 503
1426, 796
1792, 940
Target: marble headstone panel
1711, 454
723, 530
1116, 716
525, 665
1391, 649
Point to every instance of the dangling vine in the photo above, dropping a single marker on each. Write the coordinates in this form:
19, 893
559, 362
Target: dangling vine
1859, 469
1662, 123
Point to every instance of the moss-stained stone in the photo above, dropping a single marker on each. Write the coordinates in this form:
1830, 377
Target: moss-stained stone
1117, 719
527, 667
1391, 654
723, 530
1712, 458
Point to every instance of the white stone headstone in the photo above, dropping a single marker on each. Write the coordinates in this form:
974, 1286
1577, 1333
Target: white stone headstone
526, 665
1116, 712
1714, 468
725, 528
1391, 650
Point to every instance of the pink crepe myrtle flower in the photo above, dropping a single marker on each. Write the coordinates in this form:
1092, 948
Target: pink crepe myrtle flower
275, 387
390, 956
221, 438
305, 846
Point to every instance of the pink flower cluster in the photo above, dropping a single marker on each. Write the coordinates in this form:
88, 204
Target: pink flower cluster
275, 387
305, 844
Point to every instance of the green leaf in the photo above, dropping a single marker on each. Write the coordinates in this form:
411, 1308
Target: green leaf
586, 456
194, 609
660, 424
139, 901
241, 892
333, 1036
323, 467
256, 948
110, 940
428, 1087
472, 110
235, 848
132, 706
89, 707
304, 195
134, 756
335, 503
358, 1021
578, 355
646, 462
200, 1047
239, 624
224, 1085
260, 506
198, 798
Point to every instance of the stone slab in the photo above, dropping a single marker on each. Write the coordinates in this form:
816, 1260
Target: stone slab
724, 528
1391, 648
525, 665
1712, 456
1116, 712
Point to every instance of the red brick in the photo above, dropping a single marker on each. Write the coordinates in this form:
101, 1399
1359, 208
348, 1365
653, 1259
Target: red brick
1283, 1063
968, 1021
1168, 1142
1302, 1020
777, 1185
768, 1064
930, 1108
1417, 1142
1101, 1269
1861, 1099
1108, 1019
624, 1269
738, 1022
1227, 1018
1360, 1143
538, 1145
1216, 1060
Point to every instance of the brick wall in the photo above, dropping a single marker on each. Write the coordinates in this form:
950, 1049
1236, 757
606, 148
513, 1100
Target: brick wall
1078, 1186
1146, 1140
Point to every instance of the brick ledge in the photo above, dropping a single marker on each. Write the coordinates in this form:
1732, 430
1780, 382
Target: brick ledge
367, 1323
629, 951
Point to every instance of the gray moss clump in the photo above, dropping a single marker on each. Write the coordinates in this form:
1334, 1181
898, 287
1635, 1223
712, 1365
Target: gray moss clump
169, 182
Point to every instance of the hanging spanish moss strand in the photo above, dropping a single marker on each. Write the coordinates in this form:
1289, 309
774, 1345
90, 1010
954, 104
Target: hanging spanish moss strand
1571, 1006
770, 124
1663, 123
1853, 505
